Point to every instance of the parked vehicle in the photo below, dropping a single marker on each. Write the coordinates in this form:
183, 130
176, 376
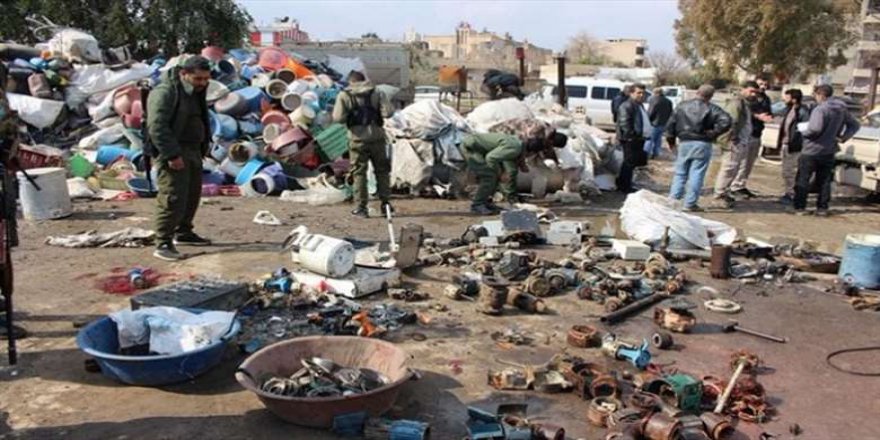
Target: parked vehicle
591, 96
674, 93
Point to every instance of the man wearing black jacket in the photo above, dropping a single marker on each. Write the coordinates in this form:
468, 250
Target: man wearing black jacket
659, 110
633, 125
790, 140
619, 99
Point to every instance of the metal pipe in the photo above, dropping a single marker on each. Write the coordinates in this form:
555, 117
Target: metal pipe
623, 312
722, 399
560, 80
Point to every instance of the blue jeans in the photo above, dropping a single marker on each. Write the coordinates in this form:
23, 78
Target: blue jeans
690, 170
655, 143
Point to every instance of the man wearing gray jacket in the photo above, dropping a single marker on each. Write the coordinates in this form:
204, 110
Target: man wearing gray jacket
830, 123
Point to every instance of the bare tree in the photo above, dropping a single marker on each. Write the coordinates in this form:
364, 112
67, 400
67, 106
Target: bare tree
583, 48
671, 69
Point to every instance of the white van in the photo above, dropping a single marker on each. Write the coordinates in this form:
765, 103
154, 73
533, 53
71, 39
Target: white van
591, 96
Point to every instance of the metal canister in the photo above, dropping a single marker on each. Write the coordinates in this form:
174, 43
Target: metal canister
137, 279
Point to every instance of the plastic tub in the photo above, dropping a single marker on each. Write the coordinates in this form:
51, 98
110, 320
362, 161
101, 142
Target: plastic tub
860, 265
249, 170
223, 126
51, 201
139, 186
283, 359
109, 153
99, 339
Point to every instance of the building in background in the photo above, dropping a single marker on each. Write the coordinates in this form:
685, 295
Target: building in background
468, 46
282, 30
625, 52
854, 78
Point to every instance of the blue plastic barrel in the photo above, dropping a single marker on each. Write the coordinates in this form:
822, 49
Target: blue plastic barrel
100, 340
861, 261
223, 126
250, 169
109, 153
254, 97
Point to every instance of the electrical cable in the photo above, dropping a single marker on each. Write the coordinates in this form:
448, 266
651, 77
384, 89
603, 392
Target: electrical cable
852, 350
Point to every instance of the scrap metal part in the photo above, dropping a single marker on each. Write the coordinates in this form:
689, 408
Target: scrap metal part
662, 340
494, 295
643, 401
661, 427
526, 302
677, 320
583, 336
546, 431
751, 408
600, 409
692, 434
537, 284
722, 305
626, 419
717, 426
604, 385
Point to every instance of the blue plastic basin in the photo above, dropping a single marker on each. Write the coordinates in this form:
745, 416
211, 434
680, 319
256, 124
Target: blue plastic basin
100, 340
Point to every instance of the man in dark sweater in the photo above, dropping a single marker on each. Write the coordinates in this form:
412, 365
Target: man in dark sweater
659, 110
632, 128
830, 123
177, 121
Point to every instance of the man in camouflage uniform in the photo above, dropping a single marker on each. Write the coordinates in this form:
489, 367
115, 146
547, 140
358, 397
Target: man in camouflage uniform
177, 121
362, 108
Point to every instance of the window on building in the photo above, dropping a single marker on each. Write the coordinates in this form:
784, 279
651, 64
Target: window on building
640, 63
576, 91
640, 50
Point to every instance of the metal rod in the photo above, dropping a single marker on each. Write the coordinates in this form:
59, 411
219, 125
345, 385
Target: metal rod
873, 92
722, 399
393, 244
760, 335
622, 313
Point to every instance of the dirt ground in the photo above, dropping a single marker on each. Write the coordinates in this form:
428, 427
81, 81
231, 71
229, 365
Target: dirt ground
50, 395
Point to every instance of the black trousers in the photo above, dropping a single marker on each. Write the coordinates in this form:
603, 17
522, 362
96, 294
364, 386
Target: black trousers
634, 156
822, 167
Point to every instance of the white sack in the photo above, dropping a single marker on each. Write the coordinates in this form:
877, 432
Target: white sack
424, 120
346, 65
412, 163
76, 45
40, 113
170, 330
490, 114
645, 215
93, 79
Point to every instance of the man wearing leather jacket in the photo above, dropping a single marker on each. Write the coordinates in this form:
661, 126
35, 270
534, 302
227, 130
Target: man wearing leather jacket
633, 126
696, 123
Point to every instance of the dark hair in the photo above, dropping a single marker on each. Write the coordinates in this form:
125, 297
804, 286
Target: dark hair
559, 140
750, 85
763, 77
795, 94
639, 86
824, 90
196, 62
534, 144
355, 76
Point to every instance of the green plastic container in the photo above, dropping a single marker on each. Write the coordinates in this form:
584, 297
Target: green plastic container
332, 142
80, 166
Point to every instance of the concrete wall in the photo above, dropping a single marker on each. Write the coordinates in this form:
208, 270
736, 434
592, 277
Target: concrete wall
386, 63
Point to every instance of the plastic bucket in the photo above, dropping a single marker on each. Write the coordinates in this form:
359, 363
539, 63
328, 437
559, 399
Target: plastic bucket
242, 152
249, 71
218, 152
276, 88
223, 126
249, 170
860, 265
272, 131
291, 101
230, 168
254, 97
51, 201
285, 75
100, 340
233, 104
250, 127
272, 58
275, 117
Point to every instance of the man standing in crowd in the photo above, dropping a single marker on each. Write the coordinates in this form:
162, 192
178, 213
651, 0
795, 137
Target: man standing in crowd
761, 114
494, 158
362, 108
791, 141
632, 128
737, 144
177, 123
830, 123
618, 100
659, 110
697, 123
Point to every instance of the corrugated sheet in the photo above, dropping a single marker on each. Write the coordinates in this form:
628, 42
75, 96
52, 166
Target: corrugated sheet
332, 142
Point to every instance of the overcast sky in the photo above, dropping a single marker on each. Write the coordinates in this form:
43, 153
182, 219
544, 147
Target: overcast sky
546, 23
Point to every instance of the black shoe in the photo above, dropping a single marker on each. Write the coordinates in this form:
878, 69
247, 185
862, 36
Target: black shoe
744, 193
191, 239
167, 252
382, 207
360, 211
495, 208
17, 332
482, 210
694, 208
786, 200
